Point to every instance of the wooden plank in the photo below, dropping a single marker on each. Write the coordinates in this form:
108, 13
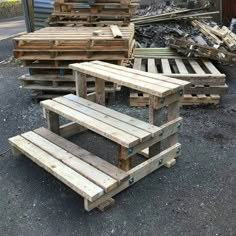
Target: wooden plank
98, 177
142, 73
132, 130
100, 91
152, 66
211, 67
138, 173
70, 129
125, 163
119, 116
137, 63
84, 155
116, 31
77, 182
196, 67
156, 118
166, 66
181, 67
53, 121
81, 84
142, 78
97, 126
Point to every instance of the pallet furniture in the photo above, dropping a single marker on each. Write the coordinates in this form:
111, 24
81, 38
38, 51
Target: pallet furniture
49, 51
207, 83
96, 13
93, 178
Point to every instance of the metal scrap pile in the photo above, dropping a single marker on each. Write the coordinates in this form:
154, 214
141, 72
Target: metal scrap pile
191, 32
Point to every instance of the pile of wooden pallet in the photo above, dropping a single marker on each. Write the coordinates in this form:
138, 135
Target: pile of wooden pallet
207, 83
93, 12
49, 51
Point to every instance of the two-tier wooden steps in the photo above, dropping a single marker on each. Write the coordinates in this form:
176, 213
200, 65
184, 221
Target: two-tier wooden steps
96, 180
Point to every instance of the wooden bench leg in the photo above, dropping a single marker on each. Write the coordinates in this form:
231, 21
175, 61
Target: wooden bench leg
173, 113
53, 121
125, 163
155, 117
81, 84
100, 91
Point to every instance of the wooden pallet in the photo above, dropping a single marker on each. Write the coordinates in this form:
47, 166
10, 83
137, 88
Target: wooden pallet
96, 13
68, 44
95, 10
56, 83
207, 83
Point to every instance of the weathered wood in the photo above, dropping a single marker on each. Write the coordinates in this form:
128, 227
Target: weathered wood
53, 121
100, 91
68, 176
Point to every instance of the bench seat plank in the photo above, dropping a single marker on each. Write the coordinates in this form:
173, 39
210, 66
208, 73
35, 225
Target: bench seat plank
97, 126
156, 82
117, 115
84, 155
98, 177
138, 71
132, 130
71, 178
133, 83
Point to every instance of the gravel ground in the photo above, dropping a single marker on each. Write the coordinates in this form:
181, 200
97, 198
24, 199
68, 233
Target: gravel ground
195, 197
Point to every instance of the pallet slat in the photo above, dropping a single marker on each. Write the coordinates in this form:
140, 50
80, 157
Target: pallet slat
84, 155
68, 176
94, 175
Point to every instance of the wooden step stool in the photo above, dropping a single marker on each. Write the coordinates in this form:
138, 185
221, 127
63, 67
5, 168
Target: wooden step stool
93, 178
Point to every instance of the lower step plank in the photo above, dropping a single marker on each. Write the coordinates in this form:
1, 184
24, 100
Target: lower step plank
68, 176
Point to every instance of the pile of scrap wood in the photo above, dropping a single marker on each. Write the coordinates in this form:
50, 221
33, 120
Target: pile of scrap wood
207, 83
220, 43
49, 51
93, 12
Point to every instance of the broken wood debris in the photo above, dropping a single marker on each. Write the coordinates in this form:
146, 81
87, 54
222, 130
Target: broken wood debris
191, 49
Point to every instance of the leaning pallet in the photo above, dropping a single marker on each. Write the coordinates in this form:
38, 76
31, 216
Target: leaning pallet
207, 83
96, 13
49, 51
95, 179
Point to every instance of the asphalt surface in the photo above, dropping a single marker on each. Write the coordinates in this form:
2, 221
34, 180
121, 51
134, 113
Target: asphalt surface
196, 197
10, 27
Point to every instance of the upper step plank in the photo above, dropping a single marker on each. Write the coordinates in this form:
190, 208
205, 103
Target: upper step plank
160, 86
153, 130
112, 133
71, 178
132, 130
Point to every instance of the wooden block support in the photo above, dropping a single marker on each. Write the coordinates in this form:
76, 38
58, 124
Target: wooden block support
81, 84
106, 205
125, 163
100, 91
53, 121
155, 118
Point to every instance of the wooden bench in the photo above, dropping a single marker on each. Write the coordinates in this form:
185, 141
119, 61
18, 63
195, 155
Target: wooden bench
94, 179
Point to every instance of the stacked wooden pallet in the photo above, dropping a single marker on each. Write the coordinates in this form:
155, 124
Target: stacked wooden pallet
48, 52
93, 13
207, 83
